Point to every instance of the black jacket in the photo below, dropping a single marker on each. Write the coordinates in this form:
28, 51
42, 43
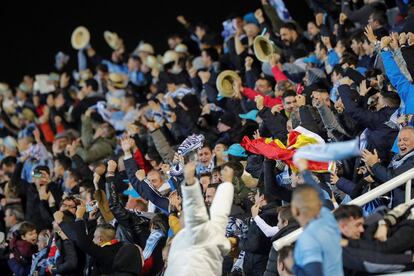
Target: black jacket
384, 174
275, 124
68, 262
362, 262
300, 48
136, 226
256, 245
399, 240
33, 213
105, 259
83, 105
379, 136
271, 267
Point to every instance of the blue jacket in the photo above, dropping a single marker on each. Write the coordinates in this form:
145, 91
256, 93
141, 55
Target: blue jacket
144, 189
404, 87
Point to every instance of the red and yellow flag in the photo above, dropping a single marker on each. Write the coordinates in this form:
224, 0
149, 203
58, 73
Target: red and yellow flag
275, 149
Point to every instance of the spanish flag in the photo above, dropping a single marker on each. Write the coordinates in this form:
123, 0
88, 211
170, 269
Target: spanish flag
275, 149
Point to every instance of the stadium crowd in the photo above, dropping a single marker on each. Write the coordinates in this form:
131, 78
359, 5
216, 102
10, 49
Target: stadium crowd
184, 164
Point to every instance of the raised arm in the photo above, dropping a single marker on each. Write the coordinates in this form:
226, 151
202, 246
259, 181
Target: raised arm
398, 80
195, 211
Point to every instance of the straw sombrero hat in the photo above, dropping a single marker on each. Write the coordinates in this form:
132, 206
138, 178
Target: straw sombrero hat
145, 47
170, 56
225, 81
113, 40
118, 80
4, 88
152, 62
80, 38
181, 48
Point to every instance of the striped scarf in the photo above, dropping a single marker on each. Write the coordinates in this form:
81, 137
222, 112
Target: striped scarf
152, 242
398, 160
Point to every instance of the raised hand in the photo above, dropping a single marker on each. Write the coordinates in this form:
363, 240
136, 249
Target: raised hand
96, 178
363, 89
259, 15
111, 167
342, 18
326, 40
140, 174
334, 178
80, 210
259, 102
127, 144
256, 134
189, 173
238, 89
274, 59
58, 216
402, 39
370, 158
385, 41
369, 33
394, 41
248, 61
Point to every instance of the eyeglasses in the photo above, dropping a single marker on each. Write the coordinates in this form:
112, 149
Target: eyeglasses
68, 206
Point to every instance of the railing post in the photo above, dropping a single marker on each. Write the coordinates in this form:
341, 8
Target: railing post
408, 191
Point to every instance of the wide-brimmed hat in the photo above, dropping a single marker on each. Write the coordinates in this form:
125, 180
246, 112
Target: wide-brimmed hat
145, 47
80, 38
118, 80
113, 40
27, 114
181, 48
152, 62
170, 56
83, 76
225, 81
4, 88
24, 88
198, 63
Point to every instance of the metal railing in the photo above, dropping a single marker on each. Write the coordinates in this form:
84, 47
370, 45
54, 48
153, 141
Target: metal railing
388, 186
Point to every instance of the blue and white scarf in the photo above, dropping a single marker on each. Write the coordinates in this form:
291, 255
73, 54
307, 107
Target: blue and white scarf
152, 242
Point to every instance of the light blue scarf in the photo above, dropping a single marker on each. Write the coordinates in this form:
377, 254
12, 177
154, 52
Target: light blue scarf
152, 242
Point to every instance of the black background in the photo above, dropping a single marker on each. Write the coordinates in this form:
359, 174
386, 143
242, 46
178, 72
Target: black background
32, 33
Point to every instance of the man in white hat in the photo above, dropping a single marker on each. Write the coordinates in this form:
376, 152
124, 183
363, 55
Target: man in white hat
116, 93
144, 50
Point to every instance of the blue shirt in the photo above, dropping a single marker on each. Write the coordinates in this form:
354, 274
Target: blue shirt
115, 68
320, 243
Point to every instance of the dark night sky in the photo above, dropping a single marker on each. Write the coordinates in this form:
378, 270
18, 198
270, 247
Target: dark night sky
32, 33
